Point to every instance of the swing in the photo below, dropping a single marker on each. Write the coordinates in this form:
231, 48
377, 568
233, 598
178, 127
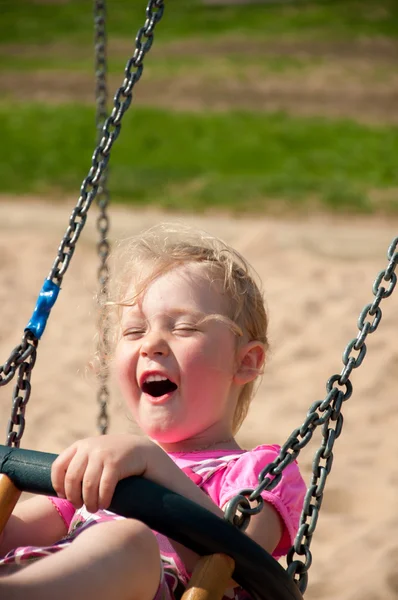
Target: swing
226, 550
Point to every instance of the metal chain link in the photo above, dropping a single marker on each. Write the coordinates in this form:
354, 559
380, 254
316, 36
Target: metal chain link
103, 197
17, 357
111, 130
326, 412
26, 351
22, 360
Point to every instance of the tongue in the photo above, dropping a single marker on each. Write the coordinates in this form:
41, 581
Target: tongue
158, 388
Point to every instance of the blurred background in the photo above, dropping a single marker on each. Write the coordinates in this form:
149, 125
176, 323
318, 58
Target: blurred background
248, 106
270, 124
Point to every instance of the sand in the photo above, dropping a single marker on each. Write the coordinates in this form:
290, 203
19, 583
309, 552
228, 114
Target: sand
318, 275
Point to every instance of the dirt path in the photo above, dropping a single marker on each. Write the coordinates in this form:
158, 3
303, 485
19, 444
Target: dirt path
357, 80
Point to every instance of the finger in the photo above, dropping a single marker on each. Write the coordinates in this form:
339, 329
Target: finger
91, 482
59, 468
107, 486
74, 477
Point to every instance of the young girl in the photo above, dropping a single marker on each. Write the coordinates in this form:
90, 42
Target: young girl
190, 342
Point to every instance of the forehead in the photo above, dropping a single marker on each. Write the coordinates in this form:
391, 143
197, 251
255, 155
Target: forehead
191, 286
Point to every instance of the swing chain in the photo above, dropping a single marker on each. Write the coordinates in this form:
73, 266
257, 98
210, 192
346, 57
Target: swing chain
373, 309
103, 246
110, 132
25, 353
321, 467
24, 362
326, 412
21, 353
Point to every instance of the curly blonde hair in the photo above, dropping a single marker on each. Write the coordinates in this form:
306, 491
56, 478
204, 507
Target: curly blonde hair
141, 259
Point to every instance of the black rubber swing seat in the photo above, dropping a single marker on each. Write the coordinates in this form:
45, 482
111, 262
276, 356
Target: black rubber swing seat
172, 515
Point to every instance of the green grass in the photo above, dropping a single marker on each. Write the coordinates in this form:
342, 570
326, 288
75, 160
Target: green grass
28, 21
235, 160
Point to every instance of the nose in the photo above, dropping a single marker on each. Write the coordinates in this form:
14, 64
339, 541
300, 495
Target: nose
154, 344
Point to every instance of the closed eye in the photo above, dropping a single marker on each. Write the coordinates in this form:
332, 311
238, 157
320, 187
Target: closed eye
133, 334
185, 329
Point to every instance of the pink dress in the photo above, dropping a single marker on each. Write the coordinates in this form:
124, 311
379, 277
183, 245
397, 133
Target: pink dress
221, 474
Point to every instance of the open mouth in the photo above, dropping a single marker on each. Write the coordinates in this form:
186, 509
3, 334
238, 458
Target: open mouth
158, 388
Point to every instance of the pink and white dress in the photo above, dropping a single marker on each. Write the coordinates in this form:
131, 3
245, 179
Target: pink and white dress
221, 474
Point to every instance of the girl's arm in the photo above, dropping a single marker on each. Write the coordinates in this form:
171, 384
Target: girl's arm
34, 522
89, 470
264, 528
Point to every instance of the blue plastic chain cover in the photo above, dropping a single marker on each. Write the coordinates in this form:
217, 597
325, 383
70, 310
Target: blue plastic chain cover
46, 300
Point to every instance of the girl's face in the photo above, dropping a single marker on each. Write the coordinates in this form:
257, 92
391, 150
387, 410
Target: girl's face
176, 373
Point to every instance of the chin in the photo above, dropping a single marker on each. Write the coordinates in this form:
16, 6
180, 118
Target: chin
166, 436
167, 429
158, 432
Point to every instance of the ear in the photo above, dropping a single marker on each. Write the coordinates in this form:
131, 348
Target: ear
250, 359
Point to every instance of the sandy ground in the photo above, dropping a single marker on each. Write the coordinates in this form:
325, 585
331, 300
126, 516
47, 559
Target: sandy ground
317, 274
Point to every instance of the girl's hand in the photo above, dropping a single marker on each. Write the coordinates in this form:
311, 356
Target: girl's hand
87, 472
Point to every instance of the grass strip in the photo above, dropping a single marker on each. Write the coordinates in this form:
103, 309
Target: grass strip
237, 160
40, 21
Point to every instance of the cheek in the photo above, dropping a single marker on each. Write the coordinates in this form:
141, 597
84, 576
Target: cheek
221, 351
123, 366
209, 359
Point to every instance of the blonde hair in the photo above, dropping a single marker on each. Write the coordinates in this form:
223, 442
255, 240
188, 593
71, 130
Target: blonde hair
143, 258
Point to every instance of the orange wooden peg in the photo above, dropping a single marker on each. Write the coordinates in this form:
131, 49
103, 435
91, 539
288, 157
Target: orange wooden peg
210, 578
9, 496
